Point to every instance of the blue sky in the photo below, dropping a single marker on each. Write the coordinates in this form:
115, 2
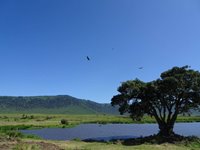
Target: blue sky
44, 44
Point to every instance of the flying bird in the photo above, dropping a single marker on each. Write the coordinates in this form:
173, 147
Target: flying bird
88, 58
140, 68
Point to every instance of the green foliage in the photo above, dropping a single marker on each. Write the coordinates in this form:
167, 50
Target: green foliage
31, 136
31, 117
64, 121
176, 92
13, 134
24, 116
77, 139
5, 117
14, 127
48, 117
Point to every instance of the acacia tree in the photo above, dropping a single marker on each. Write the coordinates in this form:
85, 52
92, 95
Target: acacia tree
177, 91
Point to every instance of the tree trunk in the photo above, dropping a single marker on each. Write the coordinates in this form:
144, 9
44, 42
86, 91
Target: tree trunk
166, 130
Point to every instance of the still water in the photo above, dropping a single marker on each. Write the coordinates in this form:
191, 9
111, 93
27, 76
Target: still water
110, 131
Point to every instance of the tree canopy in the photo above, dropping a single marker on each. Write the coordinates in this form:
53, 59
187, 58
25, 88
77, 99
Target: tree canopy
176, 91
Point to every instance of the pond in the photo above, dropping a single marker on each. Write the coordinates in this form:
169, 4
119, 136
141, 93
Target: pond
110, 131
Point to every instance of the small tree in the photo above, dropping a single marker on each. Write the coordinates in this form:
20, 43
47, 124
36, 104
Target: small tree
176, 92
64, 121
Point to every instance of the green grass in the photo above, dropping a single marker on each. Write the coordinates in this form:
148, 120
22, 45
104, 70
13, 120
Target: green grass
42, 120
10, 123
32, 144
152, 142
25, 121
80, 145
72, 145
103, 146
25, 146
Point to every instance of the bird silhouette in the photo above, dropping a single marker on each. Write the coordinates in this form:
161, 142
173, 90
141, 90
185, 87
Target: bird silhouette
88, 58
140, 68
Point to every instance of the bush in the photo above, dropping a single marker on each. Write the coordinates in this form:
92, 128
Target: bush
5, 117
31, 117
14, 134
48, 117
24, 116
64, 121
77, 139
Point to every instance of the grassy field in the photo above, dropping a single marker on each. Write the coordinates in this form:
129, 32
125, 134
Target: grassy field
43, 120
12, 140
72, 145
31, 144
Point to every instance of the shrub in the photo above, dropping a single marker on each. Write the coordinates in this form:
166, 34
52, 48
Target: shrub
31, 117
5, 117
48, 117
64, 121
14, 134
24, 116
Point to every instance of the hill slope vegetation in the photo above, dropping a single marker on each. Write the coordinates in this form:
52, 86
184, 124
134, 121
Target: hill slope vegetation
61, 104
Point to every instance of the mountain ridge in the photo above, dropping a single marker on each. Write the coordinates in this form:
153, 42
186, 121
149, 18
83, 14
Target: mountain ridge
63, 104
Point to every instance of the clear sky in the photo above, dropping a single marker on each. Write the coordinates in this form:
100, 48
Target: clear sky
44, 44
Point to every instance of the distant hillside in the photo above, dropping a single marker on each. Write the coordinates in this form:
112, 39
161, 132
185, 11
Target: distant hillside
61, 104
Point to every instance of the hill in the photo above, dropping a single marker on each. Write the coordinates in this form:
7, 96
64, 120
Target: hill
61, 104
